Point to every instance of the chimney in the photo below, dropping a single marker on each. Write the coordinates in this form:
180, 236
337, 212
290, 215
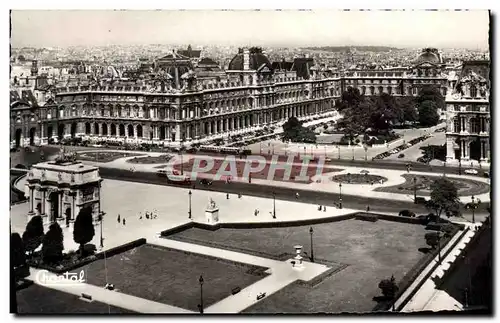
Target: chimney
246, 59
34, 67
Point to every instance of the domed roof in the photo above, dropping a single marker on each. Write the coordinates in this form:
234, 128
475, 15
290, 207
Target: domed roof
429, 55
257, 59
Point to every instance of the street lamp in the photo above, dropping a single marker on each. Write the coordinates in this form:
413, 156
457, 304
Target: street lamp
311, 231
366, 152
474, 205
415, 189
340, 197
200, 306
352, 153
274, 205
189, 212
338, 147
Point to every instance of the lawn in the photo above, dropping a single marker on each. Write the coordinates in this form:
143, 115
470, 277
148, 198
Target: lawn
104, 156
371, 251
464, 186
171, 276
150, 159
279, 174
41, 300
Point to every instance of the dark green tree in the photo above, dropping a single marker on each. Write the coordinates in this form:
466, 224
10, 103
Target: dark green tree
351, 98
83, 230
389, 287
18, 257
53, 244
431, 93
33, 235
444, 198
432, 239
408, 108
294, 131
427, 114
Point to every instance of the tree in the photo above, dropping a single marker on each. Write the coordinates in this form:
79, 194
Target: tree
431, 93
389, 287
349, 99
294, 131
427, 114
18, 257
33, 235
444, 198
408, 108
432, 238
53, 244
83, 230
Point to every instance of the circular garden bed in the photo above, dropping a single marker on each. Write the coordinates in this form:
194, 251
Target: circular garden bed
423, 184
358, 179
151, 159
104, 156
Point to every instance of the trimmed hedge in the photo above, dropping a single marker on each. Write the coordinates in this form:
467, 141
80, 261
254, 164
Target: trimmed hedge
87, 260
367, 217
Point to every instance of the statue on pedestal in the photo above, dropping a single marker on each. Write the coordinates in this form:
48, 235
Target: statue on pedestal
211, 204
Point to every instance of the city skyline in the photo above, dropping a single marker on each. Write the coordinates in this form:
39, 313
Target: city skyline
286, 28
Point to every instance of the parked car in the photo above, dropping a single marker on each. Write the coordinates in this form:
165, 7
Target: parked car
471, 171
401, 155
420, 200
407, 213
205, 181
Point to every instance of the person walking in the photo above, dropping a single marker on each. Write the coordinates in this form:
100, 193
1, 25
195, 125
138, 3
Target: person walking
140, 216
147, 215
324, 208
124, 221
297, 195
227, 196
119, 218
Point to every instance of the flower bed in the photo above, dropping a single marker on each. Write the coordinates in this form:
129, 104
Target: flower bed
358, 178
150, 159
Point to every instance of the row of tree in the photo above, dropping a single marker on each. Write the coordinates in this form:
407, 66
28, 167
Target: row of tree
294, 131
378, 114
52, 241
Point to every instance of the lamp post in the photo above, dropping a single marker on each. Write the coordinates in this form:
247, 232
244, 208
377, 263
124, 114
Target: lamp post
200, 306
415, 189
189, 212
311, 231
474, 206
340, 195
274, 205
366, 152
352, 153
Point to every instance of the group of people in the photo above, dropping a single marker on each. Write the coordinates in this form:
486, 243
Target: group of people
149, 215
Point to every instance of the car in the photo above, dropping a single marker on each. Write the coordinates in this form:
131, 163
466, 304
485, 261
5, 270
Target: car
407, 213
471, 171
401, 155
328, 159
205, 181
420, 200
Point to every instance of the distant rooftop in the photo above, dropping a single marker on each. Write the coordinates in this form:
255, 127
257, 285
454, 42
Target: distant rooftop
74, 167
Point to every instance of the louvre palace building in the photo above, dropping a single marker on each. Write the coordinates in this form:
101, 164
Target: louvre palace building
183, 98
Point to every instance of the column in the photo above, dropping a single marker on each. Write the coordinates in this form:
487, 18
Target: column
209, 130
43, 203
32, 202
467, 145
73, 206
482, 149
60, 203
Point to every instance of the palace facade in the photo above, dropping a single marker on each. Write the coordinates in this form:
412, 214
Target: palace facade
180, 100
468, 115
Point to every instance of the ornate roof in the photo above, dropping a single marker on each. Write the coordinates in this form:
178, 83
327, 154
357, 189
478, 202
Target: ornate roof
429, 55
256, 60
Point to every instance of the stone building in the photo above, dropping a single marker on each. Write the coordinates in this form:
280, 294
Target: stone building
468, 115
58, 190
176, 106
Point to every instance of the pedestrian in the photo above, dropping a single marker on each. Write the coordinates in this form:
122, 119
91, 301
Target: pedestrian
239, 195
140, 215
227, 196
147, 215
324, 208
319, 208
156, 214
367, 208
123, 221
118, 218
297, 196
256, 212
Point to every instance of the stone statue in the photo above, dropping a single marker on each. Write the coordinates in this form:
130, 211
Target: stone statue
211, 204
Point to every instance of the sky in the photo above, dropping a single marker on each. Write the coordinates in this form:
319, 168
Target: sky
287, 28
